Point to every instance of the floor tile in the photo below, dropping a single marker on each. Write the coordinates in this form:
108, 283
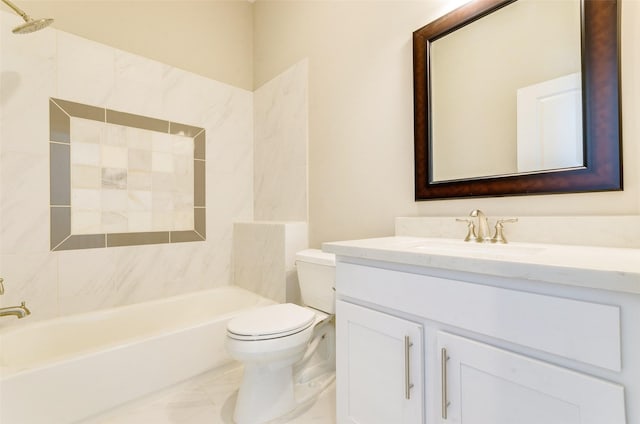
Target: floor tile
209, 399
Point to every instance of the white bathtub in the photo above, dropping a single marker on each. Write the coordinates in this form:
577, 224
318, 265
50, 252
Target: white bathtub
66, 369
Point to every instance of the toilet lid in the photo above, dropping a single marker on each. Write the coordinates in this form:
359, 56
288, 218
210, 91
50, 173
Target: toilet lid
271, 322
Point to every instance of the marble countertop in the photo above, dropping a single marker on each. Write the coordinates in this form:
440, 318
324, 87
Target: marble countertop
606, 268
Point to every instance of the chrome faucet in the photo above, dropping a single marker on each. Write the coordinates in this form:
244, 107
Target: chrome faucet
17, 311
483, 235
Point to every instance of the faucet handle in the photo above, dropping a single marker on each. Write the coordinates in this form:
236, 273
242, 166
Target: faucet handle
498, 237
471, 229
1, 286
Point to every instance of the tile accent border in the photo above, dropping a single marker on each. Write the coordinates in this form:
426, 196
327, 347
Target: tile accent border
60, 114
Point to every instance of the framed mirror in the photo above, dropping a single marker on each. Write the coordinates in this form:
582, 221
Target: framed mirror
515, 97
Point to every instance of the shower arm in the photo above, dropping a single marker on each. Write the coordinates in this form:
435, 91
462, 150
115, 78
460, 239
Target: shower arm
17, 10
29, 25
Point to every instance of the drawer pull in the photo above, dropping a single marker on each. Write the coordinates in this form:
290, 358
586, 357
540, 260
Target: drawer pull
443, 375
407, 368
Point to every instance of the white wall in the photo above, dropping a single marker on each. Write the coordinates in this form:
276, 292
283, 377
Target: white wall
361, 114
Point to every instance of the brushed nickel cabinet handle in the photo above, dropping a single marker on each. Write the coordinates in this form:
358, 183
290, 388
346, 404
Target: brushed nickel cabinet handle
407, 368
443, 374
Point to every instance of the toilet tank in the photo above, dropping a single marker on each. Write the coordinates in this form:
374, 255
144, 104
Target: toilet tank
317, 278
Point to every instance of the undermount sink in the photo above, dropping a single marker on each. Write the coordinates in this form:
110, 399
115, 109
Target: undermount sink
450, 246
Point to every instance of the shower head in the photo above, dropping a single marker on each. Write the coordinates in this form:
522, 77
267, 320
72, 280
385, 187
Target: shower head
32, 25
29, 25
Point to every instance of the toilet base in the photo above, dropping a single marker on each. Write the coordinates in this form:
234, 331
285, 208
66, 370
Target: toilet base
279, 384
305, 394
264, 394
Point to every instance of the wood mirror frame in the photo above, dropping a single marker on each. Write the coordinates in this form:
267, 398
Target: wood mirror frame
600, 110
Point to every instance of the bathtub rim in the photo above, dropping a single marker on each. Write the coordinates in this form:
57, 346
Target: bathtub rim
8, 371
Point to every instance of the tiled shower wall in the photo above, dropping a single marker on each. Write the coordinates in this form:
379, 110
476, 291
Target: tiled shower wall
281, 144
55, 64
264, 250
121, 179
264, 256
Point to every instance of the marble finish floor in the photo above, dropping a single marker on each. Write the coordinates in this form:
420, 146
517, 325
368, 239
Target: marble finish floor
209, 399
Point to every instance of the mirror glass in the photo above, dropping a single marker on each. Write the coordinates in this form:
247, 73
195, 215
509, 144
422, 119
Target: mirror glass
506, 93
517, 97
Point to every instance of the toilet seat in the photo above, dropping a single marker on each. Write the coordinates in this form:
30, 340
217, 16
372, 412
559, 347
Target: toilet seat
271, 322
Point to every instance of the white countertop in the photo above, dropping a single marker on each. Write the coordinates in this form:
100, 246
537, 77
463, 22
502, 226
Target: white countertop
606, 268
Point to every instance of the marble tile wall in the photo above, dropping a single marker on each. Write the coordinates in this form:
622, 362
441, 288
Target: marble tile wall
281, 144
121, 179
264, 250
264, 257
110, 161
56, 64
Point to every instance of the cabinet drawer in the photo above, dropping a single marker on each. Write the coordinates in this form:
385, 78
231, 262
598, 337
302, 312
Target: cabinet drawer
582, 331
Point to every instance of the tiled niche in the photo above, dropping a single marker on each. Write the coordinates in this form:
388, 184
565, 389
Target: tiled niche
119, 179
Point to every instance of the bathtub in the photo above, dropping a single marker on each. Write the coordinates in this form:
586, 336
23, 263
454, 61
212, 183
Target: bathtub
66, 369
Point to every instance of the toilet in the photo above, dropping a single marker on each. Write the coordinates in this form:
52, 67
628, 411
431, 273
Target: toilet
275, 343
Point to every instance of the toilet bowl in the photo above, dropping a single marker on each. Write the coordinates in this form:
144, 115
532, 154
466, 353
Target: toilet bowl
275, 342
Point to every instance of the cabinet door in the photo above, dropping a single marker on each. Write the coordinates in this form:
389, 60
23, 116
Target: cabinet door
486, 385
378, 367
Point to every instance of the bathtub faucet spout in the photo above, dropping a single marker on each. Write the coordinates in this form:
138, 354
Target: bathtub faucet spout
17, 311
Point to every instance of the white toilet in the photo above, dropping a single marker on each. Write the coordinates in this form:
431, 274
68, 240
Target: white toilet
276, 342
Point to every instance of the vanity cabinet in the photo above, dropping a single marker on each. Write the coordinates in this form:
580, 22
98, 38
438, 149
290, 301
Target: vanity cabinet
379, 367
487, 353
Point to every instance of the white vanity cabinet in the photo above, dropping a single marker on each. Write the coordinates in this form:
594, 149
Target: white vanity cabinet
379, 362
511, 355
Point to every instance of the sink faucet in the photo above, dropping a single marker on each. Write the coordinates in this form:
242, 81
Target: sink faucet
17, 311
483, 226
